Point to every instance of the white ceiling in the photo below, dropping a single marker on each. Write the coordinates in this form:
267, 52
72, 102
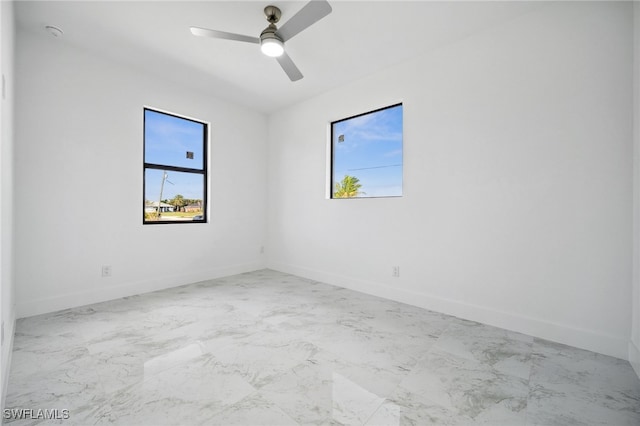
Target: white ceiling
356, 39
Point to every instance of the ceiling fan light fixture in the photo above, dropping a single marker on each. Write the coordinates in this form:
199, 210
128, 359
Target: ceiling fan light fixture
272, 47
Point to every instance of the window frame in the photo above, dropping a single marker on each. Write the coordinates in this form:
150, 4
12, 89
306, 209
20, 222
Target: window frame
332, 153
166, 167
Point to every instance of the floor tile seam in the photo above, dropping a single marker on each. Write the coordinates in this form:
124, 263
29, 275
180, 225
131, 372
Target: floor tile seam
224, 407
59, 368
435, 349
256, 392
599, 403
580, 392
502, 375
99, 376
334, 356
92, 344
571, 398
98, 393
284, 412
420, 399
264, 395
529, 382
393, 395
425, 355
39, 370
145, 379
110, 397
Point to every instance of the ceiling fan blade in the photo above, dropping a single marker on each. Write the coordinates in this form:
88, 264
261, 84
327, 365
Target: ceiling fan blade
289, 67
311, 13
204, 32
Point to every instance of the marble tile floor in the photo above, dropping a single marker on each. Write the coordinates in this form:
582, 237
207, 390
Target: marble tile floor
268, 348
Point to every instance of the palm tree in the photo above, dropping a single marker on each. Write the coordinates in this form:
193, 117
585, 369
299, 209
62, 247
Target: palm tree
178, 201
349, 187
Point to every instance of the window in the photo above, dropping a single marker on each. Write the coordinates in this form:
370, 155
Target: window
366, 154
175, 169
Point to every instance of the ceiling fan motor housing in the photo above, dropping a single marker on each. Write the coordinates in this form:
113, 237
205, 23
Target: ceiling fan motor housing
270, 33
273, 14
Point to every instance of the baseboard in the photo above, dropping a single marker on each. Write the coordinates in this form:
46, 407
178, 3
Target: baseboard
634, 357
561, 333
97, 295
7, 355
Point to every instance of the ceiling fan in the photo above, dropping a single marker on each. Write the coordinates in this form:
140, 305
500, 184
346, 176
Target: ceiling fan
272, 39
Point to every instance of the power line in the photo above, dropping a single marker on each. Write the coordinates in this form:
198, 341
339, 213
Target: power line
375, 167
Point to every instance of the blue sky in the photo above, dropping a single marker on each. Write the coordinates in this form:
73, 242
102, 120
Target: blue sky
371, 151
167, 140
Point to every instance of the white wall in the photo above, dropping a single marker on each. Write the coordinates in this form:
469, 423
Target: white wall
634, 344
517, 180
78, 177
7, 298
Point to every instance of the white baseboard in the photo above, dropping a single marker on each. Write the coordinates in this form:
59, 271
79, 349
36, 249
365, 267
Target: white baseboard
7, 352
561, 333
634, 356
97, 295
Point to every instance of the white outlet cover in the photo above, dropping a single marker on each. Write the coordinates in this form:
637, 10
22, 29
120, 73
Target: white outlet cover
106, 271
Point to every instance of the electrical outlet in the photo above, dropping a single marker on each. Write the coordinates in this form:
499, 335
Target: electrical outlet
106, 271
261, 249
2, 332
395, 272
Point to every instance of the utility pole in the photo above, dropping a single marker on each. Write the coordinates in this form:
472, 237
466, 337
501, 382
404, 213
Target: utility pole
164, 177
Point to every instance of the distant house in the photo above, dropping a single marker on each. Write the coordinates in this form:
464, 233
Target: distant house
152, 207
193, 207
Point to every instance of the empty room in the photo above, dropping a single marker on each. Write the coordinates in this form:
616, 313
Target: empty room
320, 212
